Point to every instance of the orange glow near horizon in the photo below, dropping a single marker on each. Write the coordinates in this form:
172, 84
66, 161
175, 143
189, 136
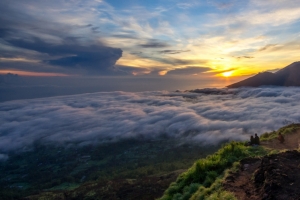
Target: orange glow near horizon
162, 73
227, 74
27, 73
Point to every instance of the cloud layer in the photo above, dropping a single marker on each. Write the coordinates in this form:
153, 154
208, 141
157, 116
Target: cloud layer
113, 116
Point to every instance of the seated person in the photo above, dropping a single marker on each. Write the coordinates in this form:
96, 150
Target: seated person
256, 139
251, 141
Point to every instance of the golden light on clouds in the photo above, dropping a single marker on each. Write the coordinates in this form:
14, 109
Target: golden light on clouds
18, 60
140, 72
139, 62
27, 73
162, 73
227, 74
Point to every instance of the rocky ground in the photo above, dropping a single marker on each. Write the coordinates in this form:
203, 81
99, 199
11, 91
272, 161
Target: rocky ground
271, 177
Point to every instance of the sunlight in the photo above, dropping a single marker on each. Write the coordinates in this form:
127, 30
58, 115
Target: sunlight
227, 74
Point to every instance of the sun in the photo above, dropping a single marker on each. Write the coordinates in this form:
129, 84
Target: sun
227, 74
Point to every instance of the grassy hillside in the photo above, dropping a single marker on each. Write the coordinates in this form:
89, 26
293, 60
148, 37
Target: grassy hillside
204, 179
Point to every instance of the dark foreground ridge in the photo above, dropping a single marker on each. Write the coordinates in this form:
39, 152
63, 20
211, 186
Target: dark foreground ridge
236, 171
271, 177
288, 76
146, 188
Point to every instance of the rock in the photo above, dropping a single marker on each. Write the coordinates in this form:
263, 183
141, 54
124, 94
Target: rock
246, 166
274, 177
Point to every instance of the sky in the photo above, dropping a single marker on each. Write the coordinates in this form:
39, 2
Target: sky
142, 45
205, 119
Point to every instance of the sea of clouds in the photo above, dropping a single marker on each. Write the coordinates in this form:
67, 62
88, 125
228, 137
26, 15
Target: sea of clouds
205, 117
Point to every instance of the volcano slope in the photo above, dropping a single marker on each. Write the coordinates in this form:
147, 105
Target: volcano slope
240, 171
274, 176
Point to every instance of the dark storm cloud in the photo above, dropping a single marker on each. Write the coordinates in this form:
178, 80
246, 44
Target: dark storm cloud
95, 29
113, 116
174, 61
4, 32
173, 51
154, 44
18, 21
50, 42
136, 53
188, 71
127, 36
95, 58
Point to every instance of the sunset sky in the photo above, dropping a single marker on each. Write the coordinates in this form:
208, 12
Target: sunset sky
208, 42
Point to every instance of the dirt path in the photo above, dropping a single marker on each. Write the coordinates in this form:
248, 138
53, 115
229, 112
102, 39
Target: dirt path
240, 184
292, 141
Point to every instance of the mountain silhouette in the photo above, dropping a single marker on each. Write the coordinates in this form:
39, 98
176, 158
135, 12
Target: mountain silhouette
288, 76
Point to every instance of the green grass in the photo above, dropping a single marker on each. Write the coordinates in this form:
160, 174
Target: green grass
203, 179
284, 130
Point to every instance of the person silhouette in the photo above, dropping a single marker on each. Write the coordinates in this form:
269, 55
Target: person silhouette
251, 140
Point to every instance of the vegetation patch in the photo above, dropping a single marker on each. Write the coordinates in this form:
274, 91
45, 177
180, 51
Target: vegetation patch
56, 168
204, 179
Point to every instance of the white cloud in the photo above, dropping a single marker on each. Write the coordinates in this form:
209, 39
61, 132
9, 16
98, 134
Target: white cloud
274, 18
112, 116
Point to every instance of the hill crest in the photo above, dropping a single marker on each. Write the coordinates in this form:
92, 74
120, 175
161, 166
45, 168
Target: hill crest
288, 76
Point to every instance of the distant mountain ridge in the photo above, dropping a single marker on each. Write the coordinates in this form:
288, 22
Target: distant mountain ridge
288, 76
